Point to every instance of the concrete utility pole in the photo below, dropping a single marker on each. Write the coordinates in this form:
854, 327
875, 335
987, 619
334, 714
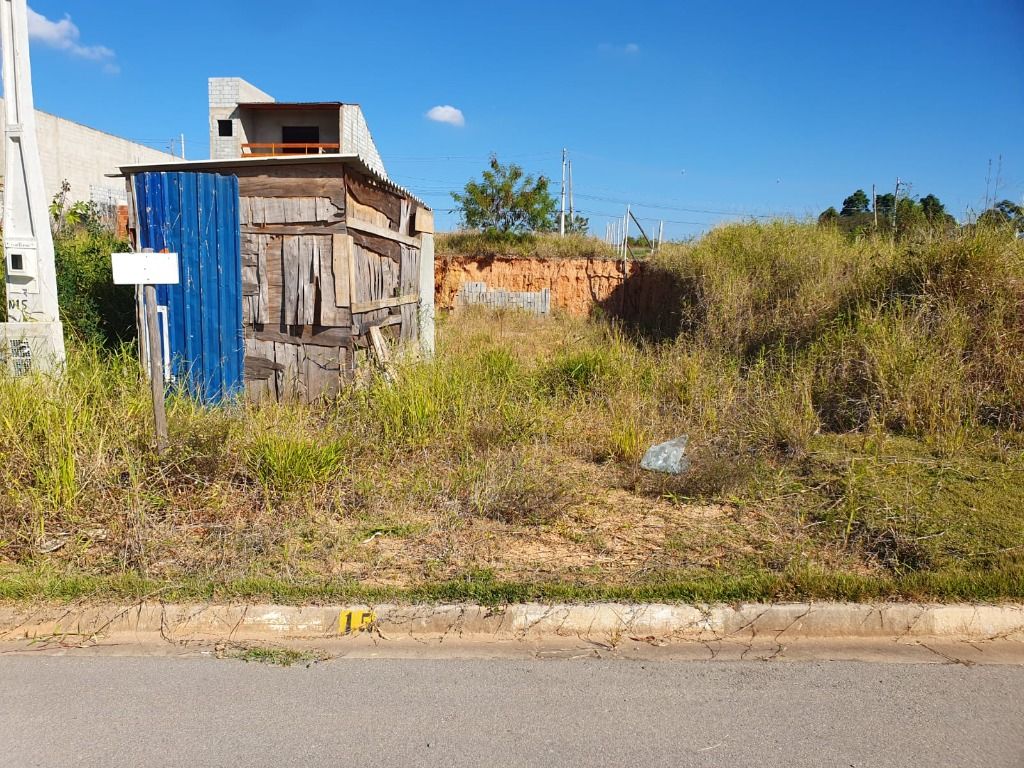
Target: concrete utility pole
895, 203
874, 204
572, 207
561, 210
33, 339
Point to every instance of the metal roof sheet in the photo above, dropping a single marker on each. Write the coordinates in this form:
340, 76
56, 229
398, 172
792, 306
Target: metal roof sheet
269, 162
291, 104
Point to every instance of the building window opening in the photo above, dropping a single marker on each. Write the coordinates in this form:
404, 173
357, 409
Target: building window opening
225, 128
303, 139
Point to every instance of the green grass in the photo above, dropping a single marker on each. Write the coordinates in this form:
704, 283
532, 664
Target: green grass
796, 584
855, 414
279, 657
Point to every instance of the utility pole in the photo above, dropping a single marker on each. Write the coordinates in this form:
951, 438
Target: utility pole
895, 204
183, 146
561, 210
33, 337
661, 234
874, 204
572, 208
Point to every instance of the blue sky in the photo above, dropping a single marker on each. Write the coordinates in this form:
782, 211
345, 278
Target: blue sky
709, 111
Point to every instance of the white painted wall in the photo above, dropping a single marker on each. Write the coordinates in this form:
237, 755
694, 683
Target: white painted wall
83, 156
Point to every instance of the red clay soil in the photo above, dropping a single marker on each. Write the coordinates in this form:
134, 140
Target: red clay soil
577, 285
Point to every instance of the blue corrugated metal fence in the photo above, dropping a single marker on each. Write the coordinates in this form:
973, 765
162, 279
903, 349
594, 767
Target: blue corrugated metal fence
196, 216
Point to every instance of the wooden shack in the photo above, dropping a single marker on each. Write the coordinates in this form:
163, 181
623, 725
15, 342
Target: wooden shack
332, 254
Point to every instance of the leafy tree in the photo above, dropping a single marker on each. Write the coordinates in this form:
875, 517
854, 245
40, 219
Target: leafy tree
1004, 213
577, 225
884, 205
856, 203
933, 208
829, 217
507, 199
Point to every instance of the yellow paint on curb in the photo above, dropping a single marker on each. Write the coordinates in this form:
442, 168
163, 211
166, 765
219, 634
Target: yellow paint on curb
354, 621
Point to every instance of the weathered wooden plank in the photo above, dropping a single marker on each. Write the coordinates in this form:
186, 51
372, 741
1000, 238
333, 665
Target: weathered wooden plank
385, 303
259, 213
410, 330
370, 228
260, 367
323, 371
296, 229
314, 335
407, 225
366, 191
355, 209
424, 221
341, 258
381, 352
409, 278
325, 186
353, 278
290, 282
390, 248
268, 275
326, 311
358, 330
310, 265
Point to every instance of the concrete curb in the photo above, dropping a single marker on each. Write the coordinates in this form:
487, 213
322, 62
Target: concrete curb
182, 623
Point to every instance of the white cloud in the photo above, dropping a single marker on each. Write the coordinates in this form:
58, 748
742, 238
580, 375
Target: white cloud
64, 35
446, 113
629, 49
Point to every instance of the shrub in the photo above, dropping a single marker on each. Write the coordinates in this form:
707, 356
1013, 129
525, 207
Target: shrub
290, 466
92, 307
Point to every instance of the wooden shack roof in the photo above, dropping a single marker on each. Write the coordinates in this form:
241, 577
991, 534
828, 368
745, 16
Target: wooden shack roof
270, 163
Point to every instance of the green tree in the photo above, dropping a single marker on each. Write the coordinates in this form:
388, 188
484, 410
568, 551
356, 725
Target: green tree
1002, 214
884, 205
507, 199
829, 217
856, 203
577, 225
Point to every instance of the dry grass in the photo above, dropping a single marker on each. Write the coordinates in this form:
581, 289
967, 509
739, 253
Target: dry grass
528, 245
874, 436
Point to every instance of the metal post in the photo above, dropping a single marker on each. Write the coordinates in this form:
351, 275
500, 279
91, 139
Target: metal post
625, 234
561, 210
572, 208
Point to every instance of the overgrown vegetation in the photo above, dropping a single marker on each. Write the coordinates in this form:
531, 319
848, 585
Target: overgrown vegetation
855, 410
94, 310
523, 245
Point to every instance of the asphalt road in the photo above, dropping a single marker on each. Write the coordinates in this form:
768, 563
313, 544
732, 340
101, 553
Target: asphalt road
101, 711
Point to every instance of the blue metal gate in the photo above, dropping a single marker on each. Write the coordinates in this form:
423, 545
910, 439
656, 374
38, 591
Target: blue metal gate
196, 216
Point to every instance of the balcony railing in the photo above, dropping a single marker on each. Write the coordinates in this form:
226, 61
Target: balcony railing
277, 150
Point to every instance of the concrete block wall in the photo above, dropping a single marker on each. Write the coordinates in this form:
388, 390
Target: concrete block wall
83, 157
225, 94
356, 138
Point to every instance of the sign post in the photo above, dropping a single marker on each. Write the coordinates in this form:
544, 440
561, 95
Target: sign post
150, 269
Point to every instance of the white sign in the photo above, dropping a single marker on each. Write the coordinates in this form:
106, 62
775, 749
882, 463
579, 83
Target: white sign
145, 268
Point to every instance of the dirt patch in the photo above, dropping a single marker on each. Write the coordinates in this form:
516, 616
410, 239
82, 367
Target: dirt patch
577, 285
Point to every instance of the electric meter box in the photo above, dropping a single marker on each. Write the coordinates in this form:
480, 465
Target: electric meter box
22, 257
